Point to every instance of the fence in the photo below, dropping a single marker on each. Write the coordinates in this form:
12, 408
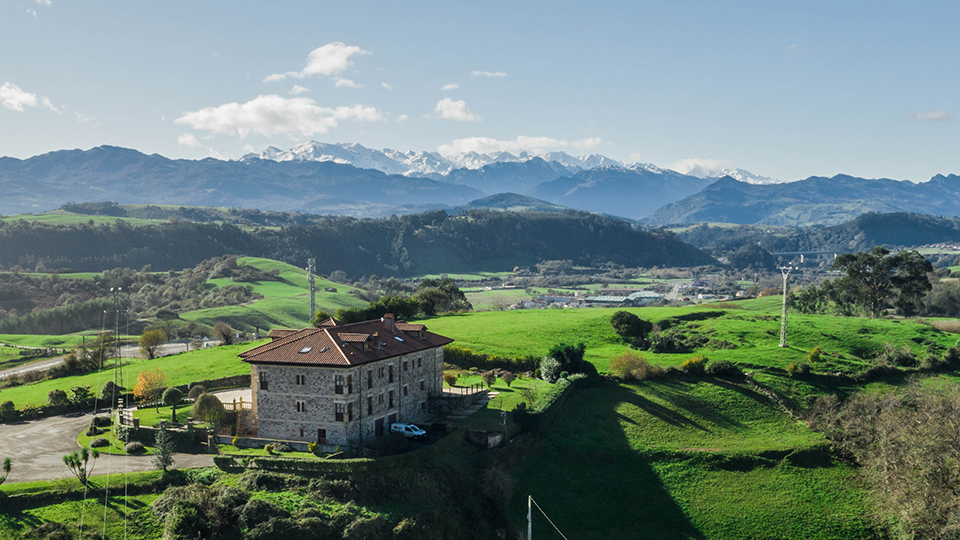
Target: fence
464, 390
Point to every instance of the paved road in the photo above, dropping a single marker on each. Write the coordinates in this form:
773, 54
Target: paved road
37, 448
39, 365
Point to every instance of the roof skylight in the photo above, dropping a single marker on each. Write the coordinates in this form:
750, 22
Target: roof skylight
305, 350
398, 338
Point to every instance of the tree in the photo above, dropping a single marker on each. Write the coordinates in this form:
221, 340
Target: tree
812, 300
319, 317
489, 377
450, 379
508, 378
109, 392
81, 395
752, 256
195, 391
630, 327
209, 409
7, 465
550, 369
81, 463
873, 280
150, 341
569, 356
163, 447
150, 385
223, 332
171, 397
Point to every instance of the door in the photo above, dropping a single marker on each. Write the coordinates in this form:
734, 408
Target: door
321, 436
392, 419
378, 427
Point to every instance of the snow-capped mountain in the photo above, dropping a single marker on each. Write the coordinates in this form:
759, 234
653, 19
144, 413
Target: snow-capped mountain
742, 176
414, 163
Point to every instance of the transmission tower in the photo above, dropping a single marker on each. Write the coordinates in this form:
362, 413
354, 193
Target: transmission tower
117, 370
311, 270
786, 271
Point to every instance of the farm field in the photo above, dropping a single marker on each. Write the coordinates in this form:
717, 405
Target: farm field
62, 217
684, 460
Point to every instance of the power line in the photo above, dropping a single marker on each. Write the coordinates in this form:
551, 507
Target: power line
530, 500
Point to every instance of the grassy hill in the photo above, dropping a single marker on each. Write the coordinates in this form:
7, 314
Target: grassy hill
286, 303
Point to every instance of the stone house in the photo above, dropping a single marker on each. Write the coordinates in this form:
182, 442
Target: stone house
344, 384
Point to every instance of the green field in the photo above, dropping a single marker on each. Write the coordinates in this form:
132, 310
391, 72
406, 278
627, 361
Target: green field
62, 217
47, 341
286, 303
205, 364
683, 460
754, 328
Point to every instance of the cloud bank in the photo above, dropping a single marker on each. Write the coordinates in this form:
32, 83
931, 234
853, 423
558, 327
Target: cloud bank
533, 145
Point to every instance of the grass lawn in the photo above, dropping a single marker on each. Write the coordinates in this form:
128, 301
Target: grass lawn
489, 417
286, 303
116, 446
235, 451
46, 341
10, 357
62, 217
183, 368
609, 443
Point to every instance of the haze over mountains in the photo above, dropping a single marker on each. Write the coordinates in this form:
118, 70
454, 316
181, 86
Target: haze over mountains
353, 180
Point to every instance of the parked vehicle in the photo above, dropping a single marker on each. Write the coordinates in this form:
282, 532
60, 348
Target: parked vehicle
409, 431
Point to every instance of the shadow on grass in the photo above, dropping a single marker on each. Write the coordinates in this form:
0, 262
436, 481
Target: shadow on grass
678, 394
586, 476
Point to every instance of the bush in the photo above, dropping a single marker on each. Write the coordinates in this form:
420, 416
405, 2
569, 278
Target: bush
890, 355
798, 370
8, 411
261, 480
549, 369
92, 430
99, 442
489, 377
109, 392
631, 366
695, 366
629, 326
450, 379
195, 391
724, 367
101, 421
57, 397
134, 448
257, 511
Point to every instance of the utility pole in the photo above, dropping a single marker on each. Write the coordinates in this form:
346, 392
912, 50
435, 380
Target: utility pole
786, 271
311, 270
529, 517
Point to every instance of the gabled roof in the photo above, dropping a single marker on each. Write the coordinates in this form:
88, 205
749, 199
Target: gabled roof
342, 345
329, 322
280, 333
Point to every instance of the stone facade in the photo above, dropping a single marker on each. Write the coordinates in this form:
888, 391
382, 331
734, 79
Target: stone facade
347, 405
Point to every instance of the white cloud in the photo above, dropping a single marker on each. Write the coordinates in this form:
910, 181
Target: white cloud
216, 155
189, 139
275, 115
49, 104
328, 60
477, 73
402, 118
455, 110
346, 83
451, 86
32, 12
15, 99
84, 119
700, 167
44, 2
297, 90
931, 116
522, 143
388, 86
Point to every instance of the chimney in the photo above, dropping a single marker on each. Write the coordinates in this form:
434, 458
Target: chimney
387, 321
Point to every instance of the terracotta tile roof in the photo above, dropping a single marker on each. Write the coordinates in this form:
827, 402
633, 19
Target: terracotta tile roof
280, 333
329, 322
407, 327
341, 345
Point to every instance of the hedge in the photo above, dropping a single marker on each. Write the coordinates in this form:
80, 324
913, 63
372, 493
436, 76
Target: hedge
466, 359
182, 439
548, 405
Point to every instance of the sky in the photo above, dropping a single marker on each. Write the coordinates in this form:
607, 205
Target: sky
782, 89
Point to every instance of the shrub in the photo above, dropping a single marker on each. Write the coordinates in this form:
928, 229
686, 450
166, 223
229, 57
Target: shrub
92, 430
195, 391
450, 379
695, 366
109, 392
101, 421
508, 378
99, 442
815, 355
629, 326
489, 377
549, 369
134, 448
257, 511
57, 397
951, 357
269, 448
631, 366
798, 370
724, 367
282, 447
312, 447
890, 355
8, 411
261, 480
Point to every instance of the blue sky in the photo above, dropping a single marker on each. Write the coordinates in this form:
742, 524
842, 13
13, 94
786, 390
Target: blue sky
783, 89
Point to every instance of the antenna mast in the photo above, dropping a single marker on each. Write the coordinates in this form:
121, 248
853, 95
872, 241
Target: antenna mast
311, 271
117, 371
786, 271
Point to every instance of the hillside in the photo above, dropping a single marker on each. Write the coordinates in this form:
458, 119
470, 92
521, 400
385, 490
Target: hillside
512, 202
434, 242
862, 233
108, 173
814, 201
518, 177
632, 193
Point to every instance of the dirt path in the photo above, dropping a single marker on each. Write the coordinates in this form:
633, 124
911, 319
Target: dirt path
37, 448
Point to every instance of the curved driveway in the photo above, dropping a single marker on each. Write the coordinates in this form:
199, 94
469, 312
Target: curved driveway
37, 448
